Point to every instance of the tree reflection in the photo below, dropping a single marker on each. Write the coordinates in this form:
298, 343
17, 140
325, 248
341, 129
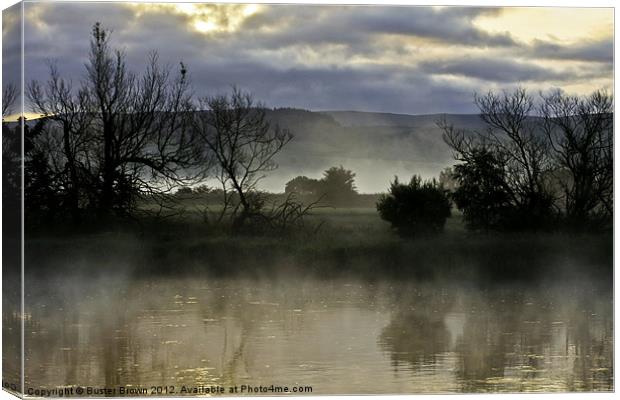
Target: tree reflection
511, 339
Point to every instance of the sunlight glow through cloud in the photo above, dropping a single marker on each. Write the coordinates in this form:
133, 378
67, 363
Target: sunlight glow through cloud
205, 18
546, 23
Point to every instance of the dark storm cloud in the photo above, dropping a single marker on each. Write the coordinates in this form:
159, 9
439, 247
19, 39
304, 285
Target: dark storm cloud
309, 56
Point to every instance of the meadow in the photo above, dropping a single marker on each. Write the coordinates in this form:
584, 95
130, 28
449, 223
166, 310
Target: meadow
333, 242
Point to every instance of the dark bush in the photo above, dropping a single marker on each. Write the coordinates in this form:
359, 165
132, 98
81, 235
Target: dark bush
415, 208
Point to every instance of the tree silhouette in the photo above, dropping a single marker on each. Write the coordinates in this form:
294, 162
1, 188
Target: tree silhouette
580, 132
9, 95
481, 192
119, 136
338, 186
415, 208
241, 141
11, 167
303, 186
515, 140
73, 120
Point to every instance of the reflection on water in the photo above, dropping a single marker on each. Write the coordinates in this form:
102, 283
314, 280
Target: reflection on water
336, 336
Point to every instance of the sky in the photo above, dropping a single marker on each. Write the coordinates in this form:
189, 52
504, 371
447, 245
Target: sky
400, 59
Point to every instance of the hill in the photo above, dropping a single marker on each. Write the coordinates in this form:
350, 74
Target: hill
377, 146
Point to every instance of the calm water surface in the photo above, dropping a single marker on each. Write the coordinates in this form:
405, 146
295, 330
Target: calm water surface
336, 336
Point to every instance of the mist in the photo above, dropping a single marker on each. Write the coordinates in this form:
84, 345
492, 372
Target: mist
219, 320
376, 146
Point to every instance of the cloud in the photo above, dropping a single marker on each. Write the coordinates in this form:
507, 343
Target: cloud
496, 70
354, 24
364, 89
11, 50
381, 58
592, 50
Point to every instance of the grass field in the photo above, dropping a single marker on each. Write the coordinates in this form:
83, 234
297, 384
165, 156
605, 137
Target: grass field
335, 242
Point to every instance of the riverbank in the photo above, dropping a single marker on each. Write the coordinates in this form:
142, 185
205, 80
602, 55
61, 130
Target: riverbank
335, 243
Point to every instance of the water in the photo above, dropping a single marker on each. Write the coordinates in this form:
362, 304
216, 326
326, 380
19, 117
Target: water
338, 337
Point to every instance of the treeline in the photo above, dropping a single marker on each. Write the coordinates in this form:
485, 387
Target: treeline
104, 142
538, 166
210, 197
335, 189
118, 139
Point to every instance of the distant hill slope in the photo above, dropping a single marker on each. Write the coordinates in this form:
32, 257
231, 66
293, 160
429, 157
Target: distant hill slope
358, 118
376, 146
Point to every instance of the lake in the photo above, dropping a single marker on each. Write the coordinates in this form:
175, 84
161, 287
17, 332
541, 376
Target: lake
336, 336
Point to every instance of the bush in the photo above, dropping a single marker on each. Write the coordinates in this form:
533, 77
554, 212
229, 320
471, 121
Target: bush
415, 208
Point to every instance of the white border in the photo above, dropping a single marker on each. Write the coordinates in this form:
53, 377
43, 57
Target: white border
488, 3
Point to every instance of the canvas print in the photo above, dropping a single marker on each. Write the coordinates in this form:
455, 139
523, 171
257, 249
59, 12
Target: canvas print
295, 199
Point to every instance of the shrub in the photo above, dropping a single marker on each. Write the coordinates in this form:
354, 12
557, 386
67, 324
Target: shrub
415, 208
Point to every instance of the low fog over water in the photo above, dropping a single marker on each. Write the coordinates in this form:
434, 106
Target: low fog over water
96, 317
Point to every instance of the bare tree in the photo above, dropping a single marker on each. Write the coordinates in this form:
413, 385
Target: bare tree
468, 146
146, 142
565, 143
580, 133
514, 141
9, 95
118, 136
515, 132
11, 165
286, 216
69, 112
243, 144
